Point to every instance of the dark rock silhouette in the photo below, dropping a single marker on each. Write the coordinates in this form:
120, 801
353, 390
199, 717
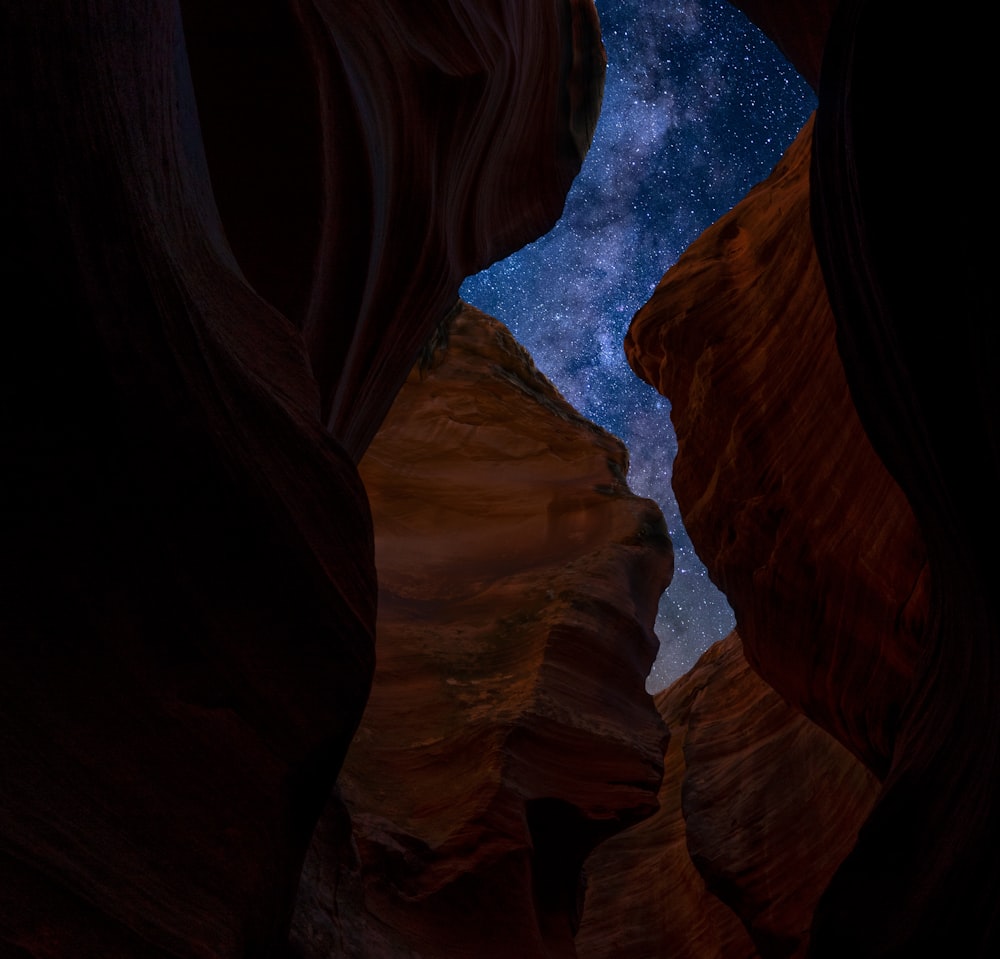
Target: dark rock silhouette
189, 596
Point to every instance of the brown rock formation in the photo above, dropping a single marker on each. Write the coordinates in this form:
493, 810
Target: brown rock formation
508, 729
645, 897
189, 595
758, 808
795, 516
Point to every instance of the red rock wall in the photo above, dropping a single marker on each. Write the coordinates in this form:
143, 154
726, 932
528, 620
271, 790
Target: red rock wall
508, 729
863, 601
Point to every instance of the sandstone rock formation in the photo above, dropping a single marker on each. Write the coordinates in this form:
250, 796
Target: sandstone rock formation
758, 808
793, 513
189, 594
861, 600
228, 229
508, 729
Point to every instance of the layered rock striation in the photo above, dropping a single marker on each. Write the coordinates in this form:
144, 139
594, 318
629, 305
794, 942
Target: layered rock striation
508, 729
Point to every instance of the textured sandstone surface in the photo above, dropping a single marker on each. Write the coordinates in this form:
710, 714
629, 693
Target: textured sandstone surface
797, 520
758, 808
508, 729
645, 896
222, 275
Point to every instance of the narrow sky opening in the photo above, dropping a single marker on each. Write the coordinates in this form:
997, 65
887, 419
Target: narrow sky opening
698, 107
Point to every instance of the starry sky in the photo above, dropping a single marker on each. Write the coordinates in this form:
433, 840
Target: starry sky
698, 107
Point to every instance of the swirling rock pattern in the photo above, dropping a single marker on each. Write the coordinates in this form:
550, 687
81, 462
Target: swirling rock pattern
757, 810
508, 729
796, 518
422, 142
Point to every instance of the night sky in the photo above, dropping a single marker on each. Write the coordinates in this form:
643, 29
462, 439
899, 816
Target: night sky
698, 107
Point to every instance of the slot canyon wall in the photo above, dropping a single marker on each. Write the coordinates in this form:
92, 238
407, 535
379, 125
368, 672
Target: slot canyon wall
237, 382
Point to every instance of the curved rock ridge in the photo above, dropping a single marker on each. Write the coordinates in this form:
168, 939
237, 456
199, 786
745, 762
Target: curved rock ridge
508, 729
794, 515
758, 807
420, 143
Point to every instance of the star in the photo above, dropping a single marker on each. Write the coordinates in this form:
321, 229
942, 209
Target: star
698, 107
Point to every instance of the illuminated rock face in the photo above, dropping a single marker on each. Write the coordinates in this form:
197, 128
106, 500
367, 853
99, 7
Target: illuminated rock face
220, 284
793, 513
508, 729
758, 808
189, 611
852, 542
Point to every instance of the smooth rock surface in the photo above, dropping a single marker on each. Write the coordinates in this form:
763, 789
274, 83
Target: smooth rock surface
393, 161
899, 222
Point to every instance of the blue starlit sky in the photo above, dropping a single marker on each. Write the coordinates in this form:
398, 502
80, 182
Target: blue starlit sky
698, 107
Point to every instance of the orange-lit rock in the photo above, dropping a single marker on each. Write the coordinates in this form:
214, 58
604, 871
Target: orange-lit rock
508, 729
645, 897
793, 513
758, 808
